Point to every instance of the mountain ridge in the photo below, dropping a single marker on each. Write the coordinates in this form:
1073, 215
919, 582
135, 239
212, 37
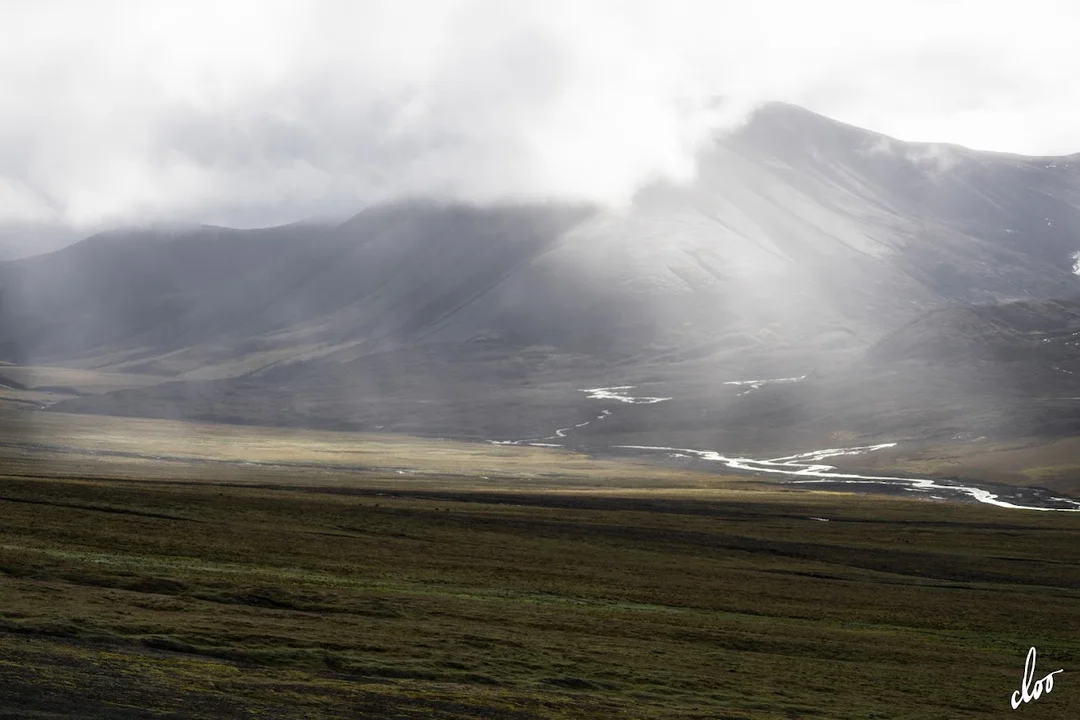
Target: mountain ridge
801, 246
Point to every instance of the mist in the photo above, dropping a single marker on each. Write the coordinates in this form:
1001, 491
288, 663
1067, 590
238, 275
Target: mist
252, 114
552, 358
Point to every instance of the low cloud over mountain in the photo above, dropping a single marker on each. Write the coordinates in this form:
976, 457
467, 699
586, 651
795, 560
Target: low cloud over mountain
798, 251
262, 113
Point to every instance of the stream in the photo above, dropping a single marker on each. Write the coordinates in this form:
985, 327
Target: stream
807, 468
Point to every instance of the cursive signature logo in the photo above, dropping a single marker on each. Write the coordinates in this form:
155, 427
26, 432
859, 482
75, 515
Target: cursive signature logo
1029, 691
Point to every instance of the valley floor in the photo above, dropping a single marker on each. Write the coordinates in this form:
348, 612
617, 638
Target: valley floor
174, 588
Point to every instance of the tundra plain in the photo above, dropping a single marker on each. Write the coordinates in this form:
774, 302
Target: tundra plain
343, 576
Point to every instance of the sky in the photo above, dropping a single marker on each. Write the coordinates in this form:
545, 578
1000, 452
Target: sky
258, 112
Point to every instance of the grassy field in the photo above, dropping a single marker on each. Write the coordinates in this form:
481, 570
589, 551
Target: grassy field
137, 448
89, 381
1053, 464
582, 591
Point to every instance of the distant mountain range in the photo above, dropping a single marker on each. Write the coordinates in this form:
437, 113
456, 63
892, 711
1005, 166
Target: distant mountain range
924, 291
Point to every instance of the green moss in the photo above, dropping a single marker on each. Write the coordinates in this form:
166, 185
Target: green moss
1053, 473
208, 601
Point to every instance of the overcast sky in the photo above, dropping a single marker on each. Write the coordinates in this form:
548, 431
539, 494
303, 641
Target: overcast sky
254, 112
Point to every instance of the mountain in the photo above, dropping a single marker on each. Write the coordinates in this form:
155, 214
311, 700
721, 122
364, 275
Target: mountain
882, 271
19, 240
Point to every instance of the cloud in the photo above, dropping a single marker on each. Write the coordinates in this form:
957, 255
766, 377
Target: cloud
250, 112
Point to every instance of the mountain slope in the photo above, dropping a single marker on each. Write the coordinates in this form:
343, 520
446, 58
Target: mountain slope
389, 272
799, 247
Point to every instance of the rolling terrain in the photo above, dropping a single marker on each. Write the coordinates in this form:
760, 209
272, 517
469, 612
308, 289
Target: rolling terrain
560, 461
155, 569
804, 247
815, 284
